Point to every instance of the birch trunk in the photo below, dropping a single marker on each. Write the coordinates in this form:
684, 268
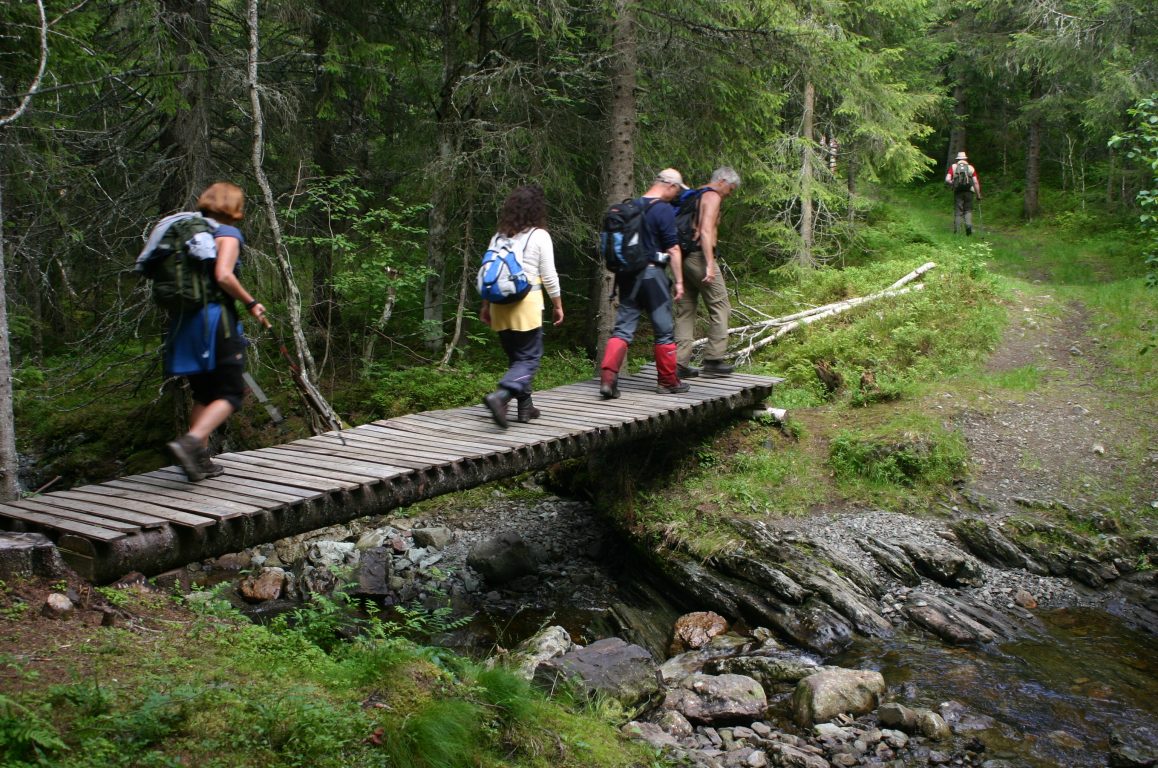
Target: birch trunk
323, 418
804, 255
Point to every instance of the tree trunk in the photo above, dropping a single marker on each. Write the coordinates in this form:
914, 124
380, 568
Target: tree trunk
324, 310
1031, 208
957, 133
619, 181
440, 197
9, 461
804, 255
184, 142
323, 417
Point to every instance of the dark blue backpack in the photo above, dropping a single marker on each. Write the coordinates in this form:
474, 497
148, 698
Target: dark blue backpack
621, 237
687, 219
501, 279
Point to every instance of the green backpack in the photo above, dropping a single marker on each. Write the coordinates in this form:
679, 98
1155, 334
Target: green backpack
179, 261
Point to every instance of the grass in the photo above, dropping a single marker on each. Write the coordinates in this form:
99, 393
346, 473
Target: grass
211, 689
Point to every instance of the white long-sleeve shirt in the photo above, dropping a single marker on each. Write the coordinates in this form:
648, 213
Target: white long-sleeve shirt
538, 258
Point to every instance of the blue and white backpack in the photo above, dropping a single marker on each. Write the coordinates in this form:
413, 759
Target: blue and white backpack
501, 279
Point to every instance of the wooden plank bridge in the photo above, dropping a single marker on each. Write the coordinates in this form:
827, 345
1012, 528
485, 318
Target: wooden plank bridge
158, 520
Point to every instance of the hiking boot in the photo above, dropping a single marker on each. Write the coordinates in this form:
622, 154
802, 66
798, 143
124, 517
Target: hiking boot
609, 390
527, 410
968, 231
687, 372
496, 402
186, 451
717, 368
682, 386
208, 467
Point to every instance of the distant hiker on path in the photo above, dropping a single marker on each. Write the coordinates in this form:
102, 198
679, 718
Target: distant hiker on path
648, 290
206, 345
698, 220
962, 177
519, 323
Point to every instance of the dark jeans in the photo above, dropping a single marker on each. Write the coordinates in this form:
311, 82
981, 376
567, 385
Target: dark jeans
646, 291
524, 351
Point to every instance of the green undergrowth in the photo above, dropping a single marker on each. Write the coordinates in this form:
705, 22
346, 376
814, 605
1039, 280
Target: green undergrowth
883, 435
211, 689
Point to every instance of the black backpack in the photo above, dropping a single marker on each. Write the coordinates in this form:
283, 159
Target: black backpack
962, 179
180, 265
688, 219
621, 236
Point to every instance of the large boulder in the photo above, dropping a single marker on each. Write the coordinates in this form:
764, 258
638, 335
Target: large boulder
547, 644
375, 567
718, 699
502, 558
609, 667
945, 565
766, 670
695, 630
819, 698
263, 585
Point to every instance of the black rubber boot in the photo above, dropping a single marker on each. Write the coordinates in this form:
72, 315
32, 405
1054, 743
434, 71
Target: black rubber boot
527, 410
496, 402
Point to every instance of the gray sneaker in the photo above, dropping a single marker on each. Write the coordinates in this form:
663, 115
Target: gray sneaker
687, 372
186, 451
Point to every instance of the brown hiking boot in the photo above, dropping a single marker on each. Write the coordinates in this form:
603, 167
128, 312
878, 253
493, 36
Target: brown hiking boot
186, 451
682, 386
208, 467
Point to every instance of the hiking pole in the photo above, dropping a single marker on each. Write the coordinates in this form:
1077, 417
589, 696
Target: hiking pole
980, 231
306, 391
259, 393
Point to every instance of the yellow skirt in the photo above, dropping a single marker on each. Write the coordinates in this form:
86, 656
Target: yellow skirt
524, 315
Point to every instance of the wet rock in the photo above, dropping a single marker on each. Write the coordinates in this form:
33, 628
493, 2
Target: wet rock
924, 722
609, 667
993, 547
650, 734
678, 667
1133, 747
945, 565
673, 722
1064, 739
762, 574
831, 692
1023, 598
266, 584
960, 720
694, 630
717, 698
502, 558
794, 757
936, 616
767, 671
892, 559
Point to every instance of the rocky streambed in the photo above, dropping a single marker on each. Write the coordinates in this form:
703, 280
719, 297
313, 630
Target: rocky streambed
984, 641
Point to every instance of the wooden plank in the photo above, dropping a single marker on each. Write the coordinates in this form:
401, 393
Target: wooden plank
262, 458
231, 478
182, 500
171, 515
80, 517
379, 448
371, 471
61, 524
220, 488
398, 436
474, 440
251, 471
336, 455
478, 430
91, 509
431, 445
203, 492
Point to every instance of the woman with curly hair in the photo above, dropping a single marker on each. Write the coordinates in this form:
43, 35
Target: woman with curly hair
523, 219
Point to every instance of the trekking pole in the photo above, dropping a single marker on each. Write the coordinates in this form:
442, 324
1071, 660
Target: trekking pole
299, 380
980, 231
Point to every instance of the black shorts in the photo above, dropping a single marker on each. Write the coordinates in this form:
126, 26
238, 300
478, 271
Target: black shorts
223, 383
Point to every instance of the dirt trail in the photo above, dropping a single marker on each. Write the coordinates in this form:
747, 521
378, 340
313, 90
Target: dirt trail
1070, 438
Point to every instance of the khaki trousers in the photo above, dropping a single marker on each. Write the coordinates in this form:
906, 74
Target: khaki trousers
715, 296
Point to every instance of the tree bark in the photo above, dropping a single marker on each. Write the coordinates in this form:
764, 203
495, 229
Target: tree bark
324, 309
804, 255
9, 460
184, 142
957, 133
619, 181
324, 418
1032, 208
